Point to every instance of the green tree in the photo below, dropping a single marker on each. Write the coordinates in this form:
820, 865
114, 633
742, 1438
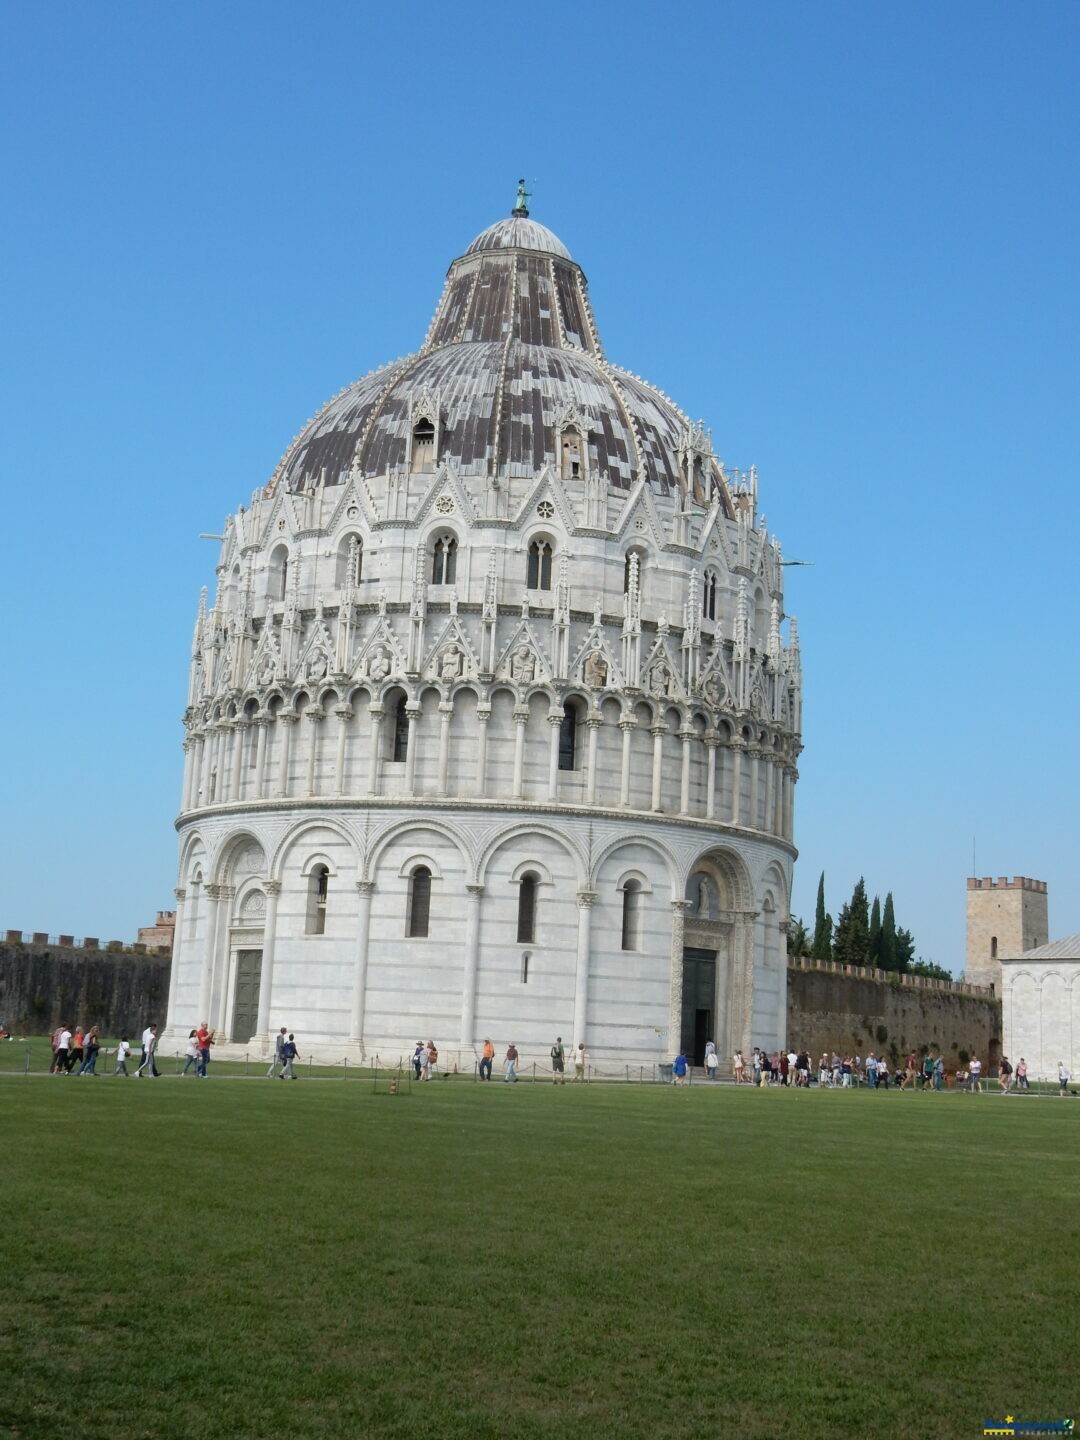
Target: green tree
798, 937
874, 949
905, 949
821, 946
929, 969
851, 945
887, 946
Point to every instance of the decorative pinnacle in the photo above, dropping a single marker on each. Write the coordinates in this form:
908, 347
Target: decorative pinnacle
521, 204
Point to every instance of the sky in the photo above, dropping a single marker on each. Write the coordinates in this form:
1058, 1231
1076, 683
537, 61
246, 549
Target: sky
844, 234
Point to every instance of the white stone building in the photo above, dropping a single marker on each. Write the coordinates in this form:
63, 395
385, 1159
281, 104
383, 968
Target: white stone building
1040, 1007
492, 729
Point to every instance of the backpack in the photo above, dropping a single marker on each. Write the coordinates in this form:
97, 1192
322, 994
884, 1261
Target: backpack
555, 1052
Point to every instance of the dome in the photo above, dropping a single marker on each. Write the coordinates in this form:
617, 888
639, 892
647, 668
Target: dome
519, 233
512, 351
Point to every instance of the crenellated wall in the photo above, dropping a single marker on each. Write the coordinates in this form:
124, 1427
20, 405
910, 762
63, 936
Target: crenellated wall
42, 985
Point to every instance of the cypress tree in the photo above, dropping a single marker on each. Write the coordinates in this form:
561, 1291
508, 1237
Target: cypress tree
887, 949
905, 949
821, 947
875, 932
852, 943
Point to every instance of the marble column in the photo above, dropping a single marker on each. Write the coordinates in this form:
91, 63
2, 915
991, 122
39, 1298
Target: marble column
627, 727
472, 962
521, 719
240, 730
755, 764
174, 969
736, 782
712, 740
377, 714
263, 723
483, 715
446, 714
686, 737
413, 712
657, 732
364, 889
266, 972
220, 1005
344, 715
675, 997
213, 894
286, 722
185, 789
554, 719
592, 724
315, 718
585, 901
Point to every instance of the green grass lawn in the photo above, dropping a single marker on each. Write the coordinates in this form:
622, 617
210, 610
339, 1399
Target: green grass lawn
315, 1259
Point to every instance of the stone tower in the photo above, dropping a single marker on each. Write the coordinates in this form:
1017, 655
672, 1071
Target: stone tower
1004, 917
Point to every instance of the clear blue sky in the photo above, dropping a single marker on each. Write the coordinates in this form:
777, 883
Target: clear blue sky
844, 234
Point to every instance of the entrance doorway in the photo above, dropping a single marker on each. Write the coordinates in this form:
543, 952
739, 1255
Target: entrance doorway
245, 1019
699, 1003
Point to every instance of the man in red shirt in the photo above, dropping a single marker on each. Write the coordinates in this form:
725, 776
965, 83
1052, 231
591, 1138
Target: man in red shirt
204, 1038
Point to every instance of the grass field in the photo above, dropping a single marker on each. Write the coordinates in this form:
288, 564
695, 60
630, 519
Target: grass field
262, 1259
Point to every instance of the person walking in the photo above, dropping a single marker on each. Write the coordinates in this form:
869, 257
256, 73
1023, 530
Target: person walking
1063, 1079
123, 1050
63, 1045
579, 1062
1005, 1074
149, 1048
75, 1054
418, 1059
486, 1059
191, 1054
1022, 1075
432, 1060
712, 1063
511, 1063
205, 1038
975, 1074
278, 1061
558, 1062
92, 1045
678, 1069
289, 1053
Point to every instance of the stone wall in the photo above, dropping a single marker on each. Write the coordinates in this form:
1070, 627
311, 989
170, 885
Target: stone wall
40, 985
847, 1009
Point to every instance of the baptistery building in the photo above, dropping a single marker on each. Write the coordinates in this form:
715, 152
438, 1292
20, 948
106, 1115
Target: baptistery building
493, 723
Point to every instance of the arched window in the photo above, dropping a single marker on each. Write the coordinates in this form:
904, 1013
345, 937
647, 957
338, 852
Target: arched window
539, 576
318, 885
631, 915
399, 742
444, 560
568, 735
278, 583
350, 561
419, 915
572, 462
708, 596
423, 447
526, 921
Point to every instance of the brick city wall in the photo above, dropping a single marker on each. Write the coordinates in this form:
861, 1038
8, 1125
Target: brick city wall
850, 1010
40, 985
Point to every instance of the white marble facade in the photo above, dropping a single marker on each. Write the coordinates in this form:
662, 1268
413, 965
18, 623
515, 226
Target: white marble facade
1040, 1008
492, 727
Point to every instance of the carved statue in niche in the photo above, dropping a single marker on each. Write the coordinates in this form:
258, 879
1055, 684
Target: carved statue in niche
523, 665
266, 674
661, 680
316, 665
450, 664
704, 897
379, 666
595, 670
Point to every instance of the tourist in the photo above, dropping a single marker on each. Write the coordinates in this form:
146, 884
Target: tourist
1005, 1071
418, 1059
75, 1054
205, 1036
755, 1066
802, 1068
92, 1045
486, 1058
834, 1071
784, 1063
1022, 1075
678, 1069
882, 1073
54, 1041
909, 1071
871, 1071
149, 1046
511, 1063
558, 1063
63, 1045
845, 1073
712, 1064
432, 1064
579, 1063
1063, 1079
860, 1073
939, 1072
927, 1071
191, 1054
289, 1053
823, 1071
123, 1050
975, 1074
278, 1062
